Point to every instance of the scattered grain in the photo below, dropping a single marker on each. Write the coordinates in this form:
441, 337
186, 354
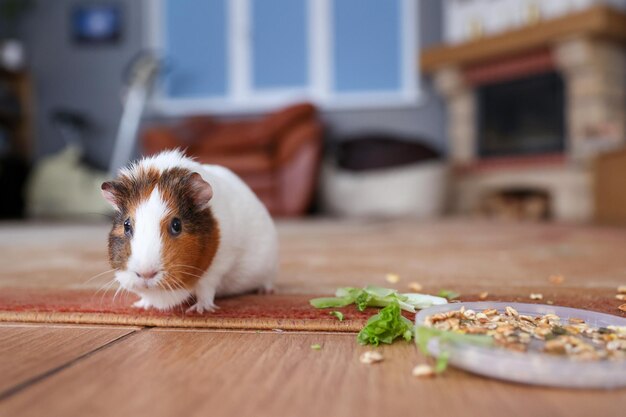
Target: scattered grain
510, 311
423, 371
556, 279
392, 278
572, 338
469, 314
369, 357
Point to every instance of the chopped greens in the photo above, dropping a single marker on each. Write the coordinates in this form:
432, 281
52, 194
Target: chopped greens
448, 294
337, 314
386, 326
442, 361
423, 335
316, 347
372, 296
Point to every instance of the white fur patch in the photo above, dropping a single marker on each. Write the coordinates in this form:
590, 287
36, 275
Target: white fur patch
163, 161
162, 300
146, 245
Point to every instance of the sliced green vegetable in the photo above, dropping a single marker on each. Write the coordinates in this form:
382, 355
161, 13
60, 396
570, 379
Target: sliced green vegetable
337, 314
316, 347
372, 296
386, 326
448, 294
442, 361
327, 302
423, 335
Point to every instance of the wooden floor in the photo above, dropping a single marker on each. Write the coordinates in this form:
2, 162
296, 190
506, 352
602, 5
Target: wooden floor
106, 371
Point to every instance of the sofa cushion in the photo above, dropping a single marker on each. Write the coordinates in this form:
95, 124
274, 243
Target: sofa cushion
275, 125
242, 164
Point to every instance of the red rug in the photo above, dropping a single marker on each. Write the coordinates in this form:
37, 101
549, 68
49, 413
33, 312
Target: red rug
251, 312
256, 312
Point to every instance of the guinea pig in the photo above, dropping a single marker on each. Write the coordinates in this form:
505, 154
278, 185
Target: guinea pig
183, 230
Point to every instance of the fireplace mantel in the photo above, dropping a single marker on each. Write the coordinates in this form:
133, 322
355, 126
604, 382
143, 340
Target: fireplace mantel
587, 51
600, 22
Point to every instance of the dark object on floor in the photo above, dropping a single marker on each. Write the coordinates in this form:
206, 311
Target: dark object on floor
9, 104
16, 114
278, 155
13, 173
377, 151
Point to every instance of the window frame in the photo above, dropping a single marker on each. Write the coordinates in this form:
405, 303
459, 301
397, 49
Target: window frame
241, 97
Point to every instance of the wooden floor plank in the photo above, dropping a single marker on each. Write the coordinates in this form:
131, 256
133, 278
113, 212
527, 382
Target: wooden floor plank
28, 351
199, 373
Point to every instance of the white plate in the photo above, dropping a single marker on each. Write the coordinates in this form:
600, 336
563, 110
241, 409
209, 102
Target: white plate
534, 368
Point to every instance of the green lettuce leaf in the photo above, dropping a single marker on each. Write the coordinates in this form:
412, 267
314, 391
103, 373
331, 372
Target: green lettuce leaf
448, 294
328, 302
372, 296
337, 314
386, 326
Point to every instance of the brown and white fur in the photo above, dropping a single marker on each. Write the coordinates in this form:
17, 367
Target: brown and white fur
183, 230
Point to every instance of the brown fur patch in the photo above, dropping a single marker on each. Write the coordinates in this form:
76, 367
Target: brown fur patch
184, 257
187, 256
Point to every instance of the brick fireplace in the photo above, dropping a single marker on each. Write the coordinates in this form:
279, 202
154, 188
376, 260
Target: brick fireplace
527, 110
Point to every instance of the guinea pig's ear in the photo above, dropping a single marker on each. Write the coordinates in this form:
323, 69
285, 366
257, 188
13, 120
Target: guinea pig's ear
108, 192
202, 191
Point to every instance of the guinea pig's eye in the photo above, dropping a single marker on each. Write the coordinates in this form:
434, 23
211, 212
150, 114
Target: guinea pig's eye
176, 226
128, 229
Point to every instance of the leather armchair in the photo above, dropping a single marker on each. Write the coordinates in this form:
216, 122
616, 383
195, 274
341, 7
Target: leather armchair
278, 155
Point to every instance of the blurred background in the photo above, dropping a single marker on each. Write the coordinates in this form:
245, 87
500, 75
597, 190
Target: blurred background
503, 109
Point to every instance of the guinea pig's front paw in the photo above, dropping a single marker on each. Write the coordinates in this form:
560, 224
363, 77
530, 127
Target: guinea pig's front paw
201, 307
142, 303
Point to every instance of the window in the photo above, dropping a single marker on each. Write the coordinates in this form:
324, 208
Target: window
245, 55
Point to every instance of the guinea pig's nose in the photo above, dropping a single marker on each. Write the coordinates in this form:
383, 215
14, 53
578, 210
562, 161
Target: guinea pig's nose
147, 274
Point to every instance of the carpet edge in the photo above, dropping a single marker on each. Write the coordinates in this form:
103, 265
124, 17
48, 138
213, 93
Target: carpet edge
180, 322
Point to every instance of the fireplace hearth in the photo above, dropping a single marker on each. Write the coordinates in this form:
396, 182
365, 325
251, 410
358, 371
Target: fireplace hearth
524, 116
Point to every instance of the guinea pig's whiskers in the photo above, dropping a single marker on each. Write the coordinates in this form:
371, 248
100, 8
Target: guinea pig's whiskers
166, 285
119, 290
188, 266
105, 289
177, 284
171, 282
189, 273
99, 275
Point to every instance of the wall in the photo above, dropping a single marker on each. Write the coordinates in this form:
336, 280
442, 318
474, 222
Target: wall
90, 80
76, 77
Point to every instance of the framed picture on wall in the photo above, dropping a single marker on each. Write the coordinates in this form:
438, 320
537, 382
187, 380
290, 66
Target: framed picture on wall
96, 23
